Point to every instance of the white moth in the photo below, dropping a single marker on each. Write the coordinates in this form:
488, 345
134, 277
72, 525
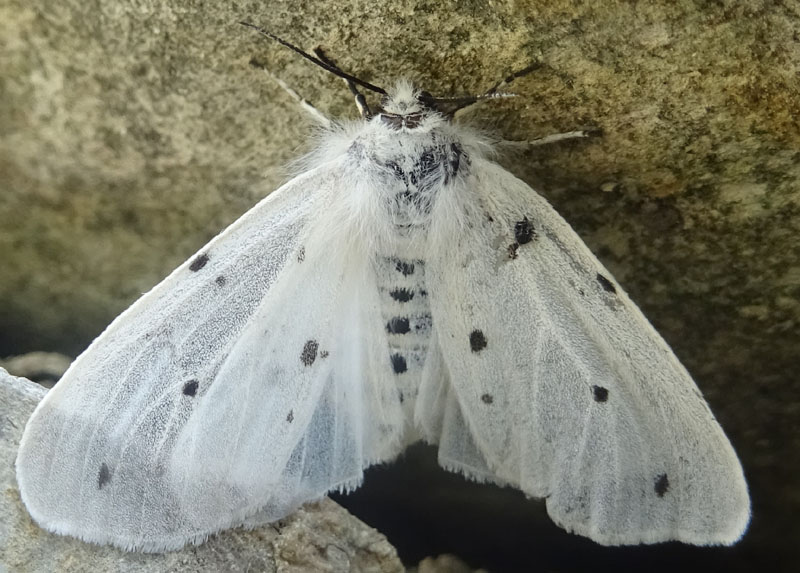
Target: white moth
404, 287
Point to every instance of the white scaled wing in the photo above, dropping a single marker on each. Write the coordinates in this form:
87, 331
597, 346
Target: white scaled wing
555, 382
233, 388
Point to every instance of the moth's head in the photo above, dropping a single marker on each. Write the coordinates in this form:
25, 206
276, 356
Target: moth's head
405, 107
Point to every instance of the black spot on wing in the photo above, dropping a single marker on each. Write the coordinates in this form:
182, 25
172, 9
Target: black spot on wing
512, 250
324, 354
487, 398
599, 393
477, 341
606, 284
309, 354
661, 485
103, 476
220, 280
199, 262
402, 294
190, 388
398, 325
523, 231
290, 416
399, 363
301, 254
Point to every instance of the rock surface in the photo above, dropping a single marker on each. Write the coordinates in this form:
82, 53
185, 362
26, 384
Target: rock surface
319, 537
44, 368
131, 133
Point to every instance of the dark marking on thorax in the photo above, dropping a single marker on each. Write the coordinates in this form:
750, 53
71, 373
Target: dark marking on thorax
415, 171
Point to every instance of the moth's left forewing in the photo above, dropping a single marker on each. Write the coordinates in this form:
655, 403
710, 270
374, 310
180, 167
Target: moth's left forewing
235, 386
563, 387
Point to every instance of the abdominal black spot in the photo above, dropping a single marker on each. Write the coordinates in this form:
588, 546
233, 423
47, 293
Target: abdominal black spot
402, 294
606, 284
399, 363
220, 280
512, 250
290, 417
199, 262
487, 398
477, 341
600, 394
301, 254
405, 267
104, 476
523, 231
398, 325
309, 354
661, 485
190, 388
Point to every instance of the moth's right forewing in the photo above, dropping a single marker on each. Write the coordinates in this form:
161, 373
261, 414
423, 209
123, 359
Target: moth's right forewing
557, 384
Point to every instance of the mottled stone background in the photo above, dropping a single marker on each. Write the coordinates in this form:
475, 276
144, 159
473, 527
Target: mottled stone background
131, 133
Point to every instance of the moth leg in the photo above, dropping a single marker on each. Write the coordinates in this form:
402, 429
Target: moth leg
510, 78
556, 138
493, 92
304, 103
361, 101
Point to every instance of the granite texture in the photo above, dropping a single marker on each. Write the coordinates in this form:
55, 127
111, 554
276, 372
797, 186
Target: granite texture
132, 133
